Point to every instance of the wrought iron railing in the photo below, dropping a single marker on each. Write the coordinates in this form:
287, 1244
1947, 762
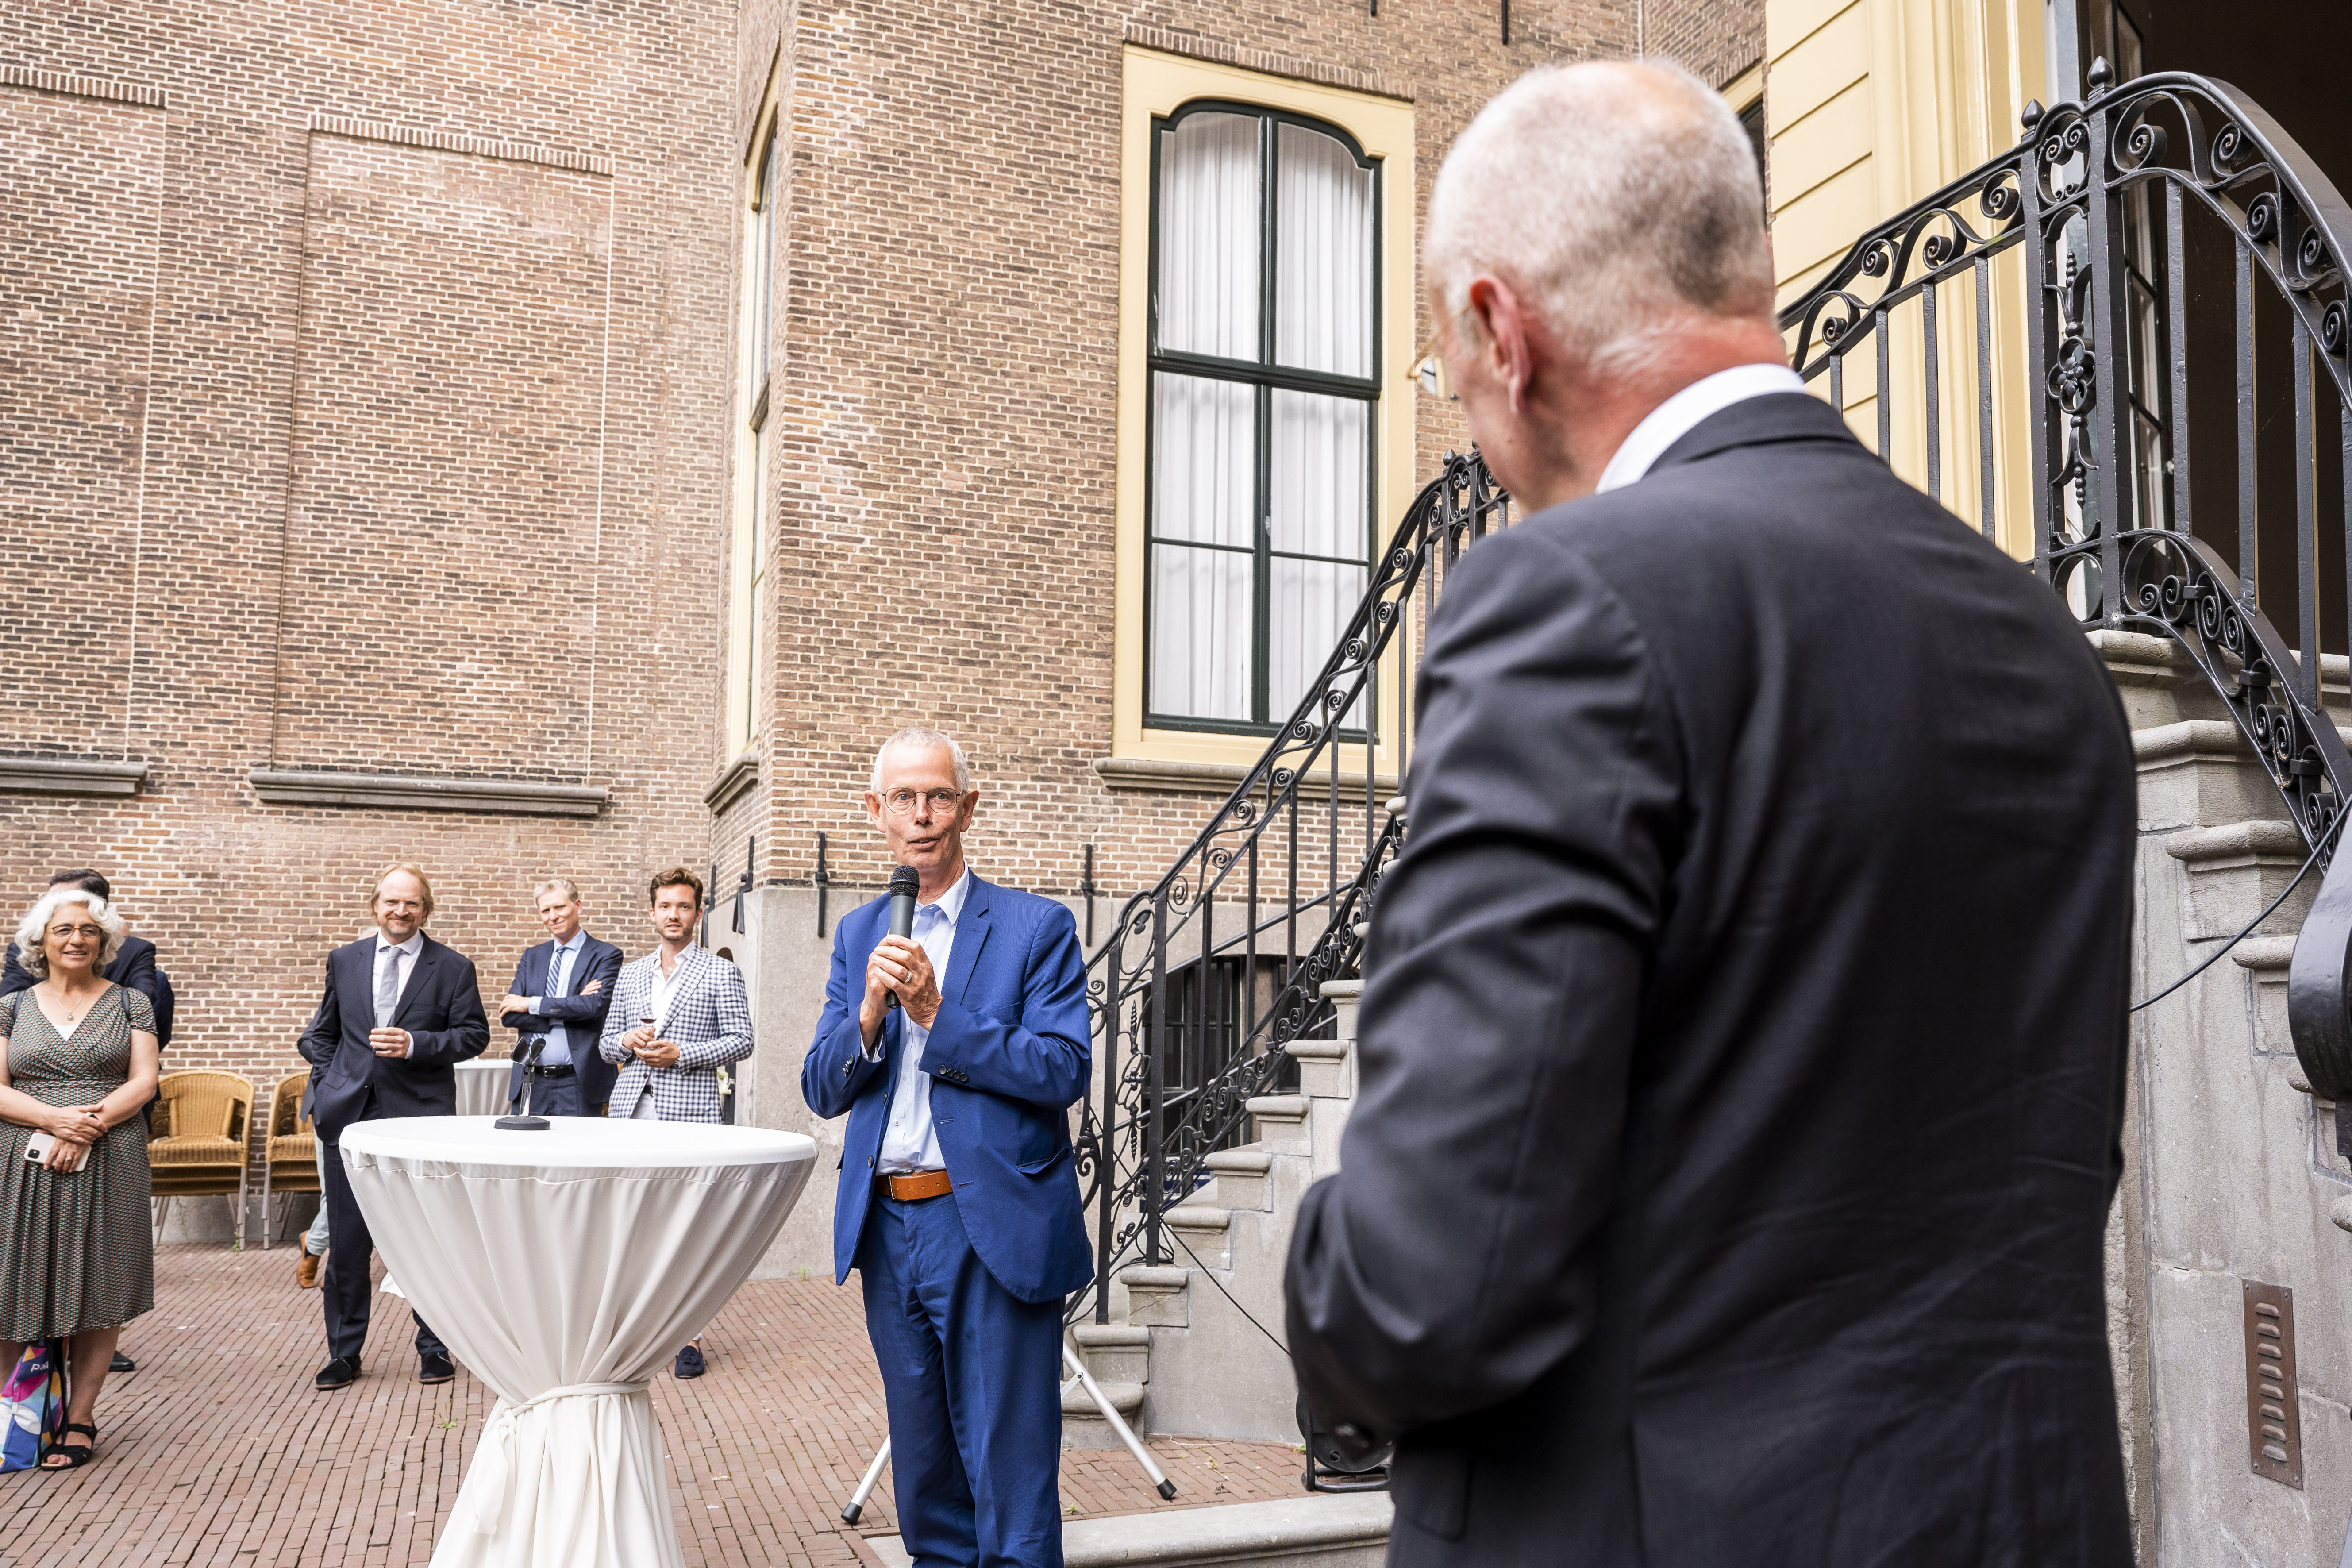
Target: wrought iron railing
1271, 894
2185, 406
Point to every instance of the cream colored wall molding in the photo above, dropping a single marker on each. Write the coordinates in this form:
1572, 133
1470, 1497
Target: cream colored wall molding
70, 775
384, 792
81, 86
1146, 774
732, 781
1291, 66
472, 146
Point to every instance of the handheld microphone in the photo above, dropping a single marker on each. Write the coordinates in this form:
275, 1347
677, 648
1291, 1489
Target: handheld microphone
905, 883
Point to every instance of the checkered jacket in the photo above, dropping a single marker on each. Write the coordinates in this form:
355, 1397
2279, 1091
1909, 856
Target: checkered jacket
709, 1020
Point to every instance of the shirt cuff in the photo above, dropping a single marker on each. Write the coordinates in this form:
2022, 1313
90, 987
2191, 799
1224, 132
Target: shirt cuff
875, 1053
535, 1002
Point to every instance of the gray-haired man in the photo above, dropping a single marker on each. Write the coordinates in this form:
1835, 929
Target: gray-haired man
557, 1003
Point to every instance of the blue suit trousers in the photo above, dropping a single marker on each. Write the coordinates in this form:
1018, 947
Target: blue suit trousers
971, 1378
549, 1095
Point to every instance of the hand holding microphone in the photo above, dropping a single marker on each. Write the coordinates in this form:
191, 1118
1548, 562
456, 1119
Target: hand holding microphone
900, 972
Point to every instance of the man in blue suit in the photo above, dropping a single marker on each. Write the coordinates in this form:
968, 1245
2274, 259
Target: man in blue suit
561, 991
959, 1201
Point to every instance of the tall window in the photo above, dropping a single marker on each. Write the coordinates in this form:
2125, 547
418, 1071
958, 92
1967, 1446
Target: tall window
1264, 369
750, 567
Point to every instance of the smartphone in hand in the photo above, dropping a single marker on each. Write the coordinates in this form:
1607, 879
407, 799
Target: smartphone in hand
38, 1147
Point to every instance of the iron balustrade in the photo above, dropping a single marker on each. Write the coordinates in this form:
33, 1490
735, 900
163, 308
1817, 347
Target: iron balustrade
2188, 411
1275, 890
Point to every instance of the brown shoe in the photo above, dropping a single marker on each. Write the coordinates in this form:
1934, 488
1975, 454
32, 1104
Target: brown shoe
306, 1271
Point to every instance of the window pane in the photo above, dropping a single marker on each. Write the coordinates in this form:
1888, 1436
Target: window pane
1323, 255
1209, 236
1200, 633
1312, 602
1318, 507
1203, 460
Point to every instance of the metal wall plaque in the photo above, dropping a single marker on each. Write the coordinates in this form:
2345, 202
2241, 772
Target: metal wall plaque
2273, 1432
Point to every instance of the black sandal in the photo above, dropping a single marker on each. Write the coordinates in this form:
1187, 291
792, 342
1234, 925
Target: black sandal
76, 1454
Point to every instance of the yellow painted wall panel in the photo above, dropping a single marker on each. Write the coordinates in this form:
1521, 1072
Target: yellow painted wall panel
1819, 226
1821, 146
1818, 69
1787, 23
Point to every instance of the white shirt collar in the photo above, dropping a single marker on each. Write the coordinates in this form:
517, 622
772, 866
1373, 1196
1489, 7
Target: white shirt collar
1678, 415
412, 947
950, 904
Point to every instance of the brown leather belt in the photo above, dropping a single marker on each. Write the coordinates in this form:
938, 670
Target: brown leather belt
915, 1186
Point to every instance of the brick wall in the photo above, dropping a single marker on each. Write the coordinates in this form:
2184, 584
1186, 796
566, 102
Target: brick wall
365, 377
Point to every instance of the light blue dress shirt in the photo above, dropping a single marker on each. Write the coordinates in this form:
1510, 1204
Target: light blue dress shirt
911, 1142
557, 1052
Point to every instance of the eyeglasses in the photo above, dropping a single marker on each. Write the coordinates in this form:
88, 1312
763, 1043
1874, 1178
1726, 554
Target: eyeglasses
902, 801
1429, 364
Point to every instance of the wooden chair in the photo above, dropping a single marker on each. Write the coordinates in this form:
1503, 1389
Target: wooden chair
289, 1158
198, 1148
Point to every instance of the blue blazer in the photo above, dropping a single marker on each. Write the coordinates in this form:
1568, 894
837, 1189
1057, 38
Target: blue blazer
441, 1008
1009, 1054
582, 1017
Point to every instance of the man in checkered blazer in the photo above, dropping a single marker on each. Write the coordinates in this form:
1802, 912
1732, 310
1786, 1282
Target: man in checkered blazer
679, 1014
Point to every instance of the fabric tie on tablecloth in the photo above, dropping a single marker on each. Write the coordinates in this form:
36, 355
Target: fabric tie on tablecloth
489, 1490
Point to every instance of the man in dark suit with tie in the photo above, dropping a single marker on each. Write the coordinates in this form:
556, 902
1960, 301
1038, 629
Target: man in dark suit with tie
400, 1012
1743, 1041
958, 1199
561, 988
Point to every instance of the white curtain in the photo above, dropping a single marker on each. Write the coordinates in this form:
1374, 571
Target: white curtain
1209, 236
1323, 255
1318, 508
1203, 489
1204, 433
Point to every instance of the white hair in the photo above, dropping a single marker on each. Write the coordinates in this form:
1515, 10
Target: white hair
1622, 197
35, 925
920, 735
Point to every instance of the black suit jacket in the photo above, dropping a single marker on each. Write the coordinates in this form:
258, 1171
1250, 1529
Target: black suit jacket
582, 1016
132, 966
1742, 1049
441, 1008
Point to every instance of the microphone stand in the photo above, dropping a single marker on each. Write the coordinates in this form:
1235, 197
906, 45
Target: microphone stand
527, 1123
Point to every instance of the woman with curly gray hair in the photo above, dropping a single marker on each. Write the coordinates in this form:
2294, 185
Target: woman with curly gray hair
78, 1058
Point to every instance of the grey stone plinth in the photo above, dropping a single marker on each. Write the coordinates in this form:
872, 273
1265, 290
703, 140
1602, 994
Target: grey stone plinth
1157, 1298
1243, 1177
1329, 1532
70, 775
384, 792
2235, 870
1282, 1123
1115, 1353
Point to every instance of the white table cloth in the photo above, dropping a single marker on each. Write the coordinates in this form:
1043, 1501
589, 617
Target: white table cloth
565, 1269
482, 1086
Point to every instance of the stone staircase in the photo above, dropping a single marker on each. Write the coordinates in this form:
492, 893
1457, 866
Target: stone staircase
1182, 1355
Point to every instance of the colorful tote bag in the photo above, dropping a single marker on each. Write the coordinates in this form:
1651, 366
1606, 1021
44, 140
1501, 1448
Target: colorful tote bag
33, 1403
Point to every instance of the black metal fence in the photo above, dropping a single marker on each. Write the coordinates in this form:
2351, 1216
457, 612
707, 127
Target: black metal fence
1206, 977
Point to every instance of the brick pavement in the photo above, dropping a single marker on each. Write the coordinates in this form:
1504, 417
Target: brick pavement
217, 1452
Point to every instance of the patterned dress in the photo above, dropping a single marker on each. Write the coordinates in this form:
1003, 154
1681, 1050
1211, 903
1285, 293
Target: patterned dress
76, 1251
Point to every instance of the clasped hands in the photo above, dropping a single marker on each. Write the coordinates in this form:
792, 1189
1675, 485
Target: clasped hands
898, 965
75, 1128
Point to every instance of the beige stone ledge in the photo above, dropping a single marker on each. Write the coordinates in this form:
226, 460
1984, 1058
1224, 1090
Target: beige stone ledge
383, 792
1219, 778
70, 775
733, 780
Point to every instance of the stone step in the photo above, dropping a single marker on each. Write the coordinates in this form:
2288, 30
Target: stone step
1323, 1069
1115, 1353
1329, 1530
1245, 1175
1158, 1298
1282, 1123
1083, 1425
1204, 1229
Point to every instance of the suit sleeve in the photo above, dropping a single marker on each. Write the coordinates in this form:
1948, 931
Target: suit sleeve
734, 1041
1451, 1261
835, 1071
522, 1023
467, 1034
586, 1012
325, 1030
616, 1024
139, 975
14, 976
1047, 1058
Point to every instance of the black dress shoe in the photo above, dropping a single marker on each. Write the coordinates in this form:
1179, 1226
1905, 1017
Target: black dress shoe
340, 1373
434, 1367
122, 1363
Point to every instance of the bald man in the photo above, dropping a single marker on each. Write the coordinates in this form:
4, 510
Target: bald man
1742, 1047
